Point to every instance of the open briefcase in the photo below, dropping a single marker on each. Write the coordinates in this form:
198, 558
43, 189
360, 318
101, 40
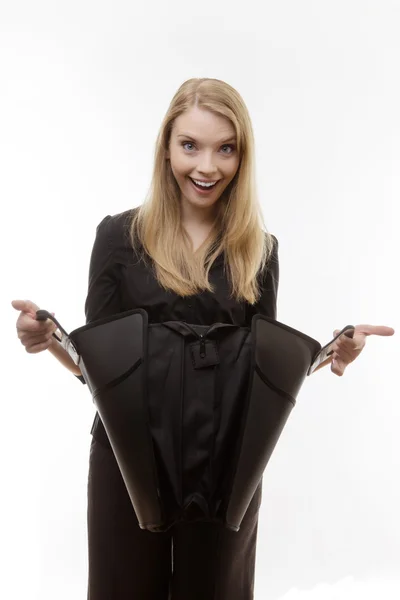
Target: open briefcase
193, 413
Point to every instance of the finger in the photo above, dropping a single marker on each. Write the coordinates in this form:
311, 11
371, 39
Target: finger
374, 330
33, 327
347, 343
34, 338
38, 347
355, 343
28, 324
345, 334
337, 366
335, 347
344, 356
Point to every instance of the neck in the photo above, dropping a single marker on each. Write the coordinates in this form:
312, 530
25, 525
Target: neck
193, 216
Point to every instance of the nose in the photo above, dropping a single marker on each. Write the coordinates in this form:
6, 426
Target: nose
206, 164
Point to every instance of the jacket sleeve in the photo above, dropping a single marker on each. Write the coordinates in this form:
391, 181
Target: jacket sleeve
103, 296
267, 303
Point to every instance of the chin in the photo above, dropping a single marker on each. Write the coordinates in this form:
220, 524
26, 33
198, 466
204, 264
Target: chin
202, 203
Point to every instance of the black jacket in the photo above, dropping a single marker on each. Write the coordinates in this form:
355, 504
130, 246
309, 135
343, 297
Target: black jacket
120, 281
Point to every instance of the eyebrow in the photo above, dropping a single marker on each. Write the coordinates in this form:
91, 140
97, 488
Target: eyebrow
190, 137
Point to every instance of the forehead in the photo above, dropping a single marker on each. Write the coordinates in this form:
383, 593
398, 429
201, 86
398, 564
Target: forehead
203, 125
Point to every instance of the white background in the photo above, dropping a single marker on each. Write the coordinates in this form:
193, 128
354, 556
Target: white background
84, 87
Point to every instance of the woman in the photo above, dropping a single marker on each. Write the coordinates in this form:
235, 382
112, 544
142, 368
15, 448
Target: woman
195, 251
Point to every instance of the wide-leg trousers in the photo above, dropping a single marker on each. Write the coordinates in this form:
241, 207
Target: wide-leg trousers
191, 561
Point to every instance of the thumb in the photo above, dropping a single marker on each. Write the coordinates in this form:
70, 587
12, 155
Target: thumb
335, 333
25, 306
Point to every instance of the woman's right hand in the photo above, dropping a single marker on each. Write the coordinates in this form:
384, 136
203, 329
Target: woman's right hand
35, 335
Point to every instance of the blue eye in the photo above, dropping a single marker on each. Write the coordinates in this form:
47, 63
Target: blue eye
231, 146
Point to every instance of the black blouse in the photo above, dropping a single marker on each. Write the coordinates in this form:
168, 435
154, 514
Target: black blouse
119, 281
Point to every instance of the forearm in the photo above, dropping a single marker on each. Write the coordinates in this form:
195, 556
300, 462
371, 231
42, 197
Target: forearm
63, 357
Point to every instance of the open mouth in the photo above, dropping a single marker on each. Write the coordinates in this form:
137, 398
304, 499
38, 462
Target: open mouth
203, 188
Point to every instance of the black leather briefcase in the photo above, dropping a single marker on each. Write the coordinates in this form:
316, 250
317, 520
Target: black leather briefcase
193, 413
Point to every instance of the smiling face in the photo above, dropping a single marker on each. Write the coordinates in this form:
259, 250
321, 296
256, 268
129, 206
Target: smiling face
202, 148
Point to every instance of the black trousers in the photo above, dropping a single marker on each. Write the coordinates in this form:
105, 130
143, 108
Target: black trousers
191, 561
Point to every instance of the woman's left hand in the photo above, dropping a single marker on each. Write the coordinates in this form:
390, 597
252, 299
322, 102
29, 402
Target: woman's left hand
345, 349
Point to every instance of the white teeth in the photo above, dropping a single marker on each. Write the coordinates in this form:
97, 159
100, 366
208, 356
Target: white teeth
204, 184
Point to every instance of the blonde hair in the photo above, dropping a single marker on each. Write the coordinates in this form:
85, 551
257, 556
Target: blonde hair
238, 231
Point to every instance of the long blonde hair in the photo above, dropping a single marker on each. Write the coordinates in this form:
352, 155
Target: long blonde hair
238, 231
